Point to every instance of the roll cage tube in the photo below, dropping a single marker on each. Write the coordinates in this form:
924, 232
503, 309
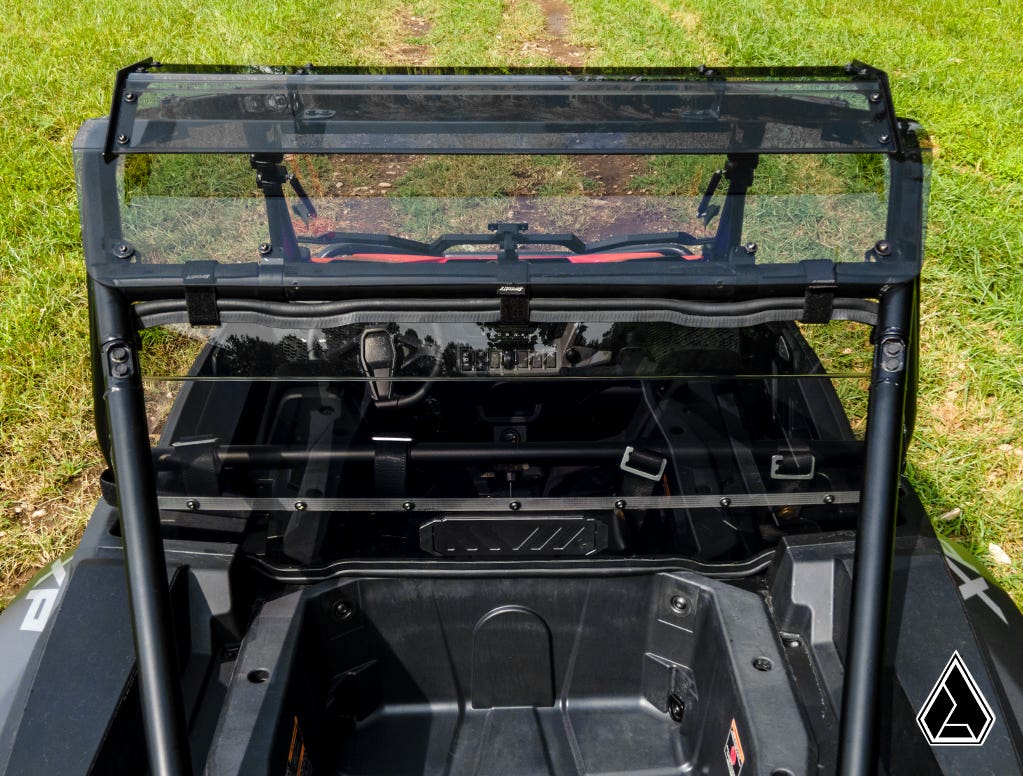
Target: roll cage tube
159, 675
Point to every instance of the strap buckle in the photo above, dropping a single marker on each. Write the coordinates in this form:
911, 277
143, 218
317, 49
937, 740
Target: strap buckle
643, 464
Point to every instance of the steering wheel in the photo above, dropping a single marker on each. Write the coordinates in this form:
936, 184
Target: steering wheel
382, 354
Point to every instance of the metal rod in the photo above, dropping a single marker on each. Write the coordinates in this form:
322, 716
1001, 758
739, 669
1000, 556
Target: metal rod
163, 710
875, 540
826, 453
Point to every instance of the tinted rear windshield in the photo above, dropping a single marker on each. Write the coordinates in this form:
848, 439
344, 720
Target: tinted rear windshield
550, 211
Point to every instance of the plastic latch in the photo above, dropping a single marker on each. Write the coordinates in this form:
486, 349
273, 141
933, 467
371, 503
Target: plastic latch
818, 304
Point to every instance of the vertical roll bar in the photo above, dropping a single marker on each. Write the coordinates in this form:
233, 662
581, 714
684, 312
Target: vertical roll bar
163, 709
875, 540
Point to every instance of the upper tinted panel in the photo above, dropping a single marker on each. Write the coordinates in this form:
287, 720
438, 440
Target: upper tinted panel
170, 108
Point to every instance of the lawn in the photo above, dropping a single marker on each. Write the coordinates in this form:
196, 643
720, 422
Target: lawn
954, 68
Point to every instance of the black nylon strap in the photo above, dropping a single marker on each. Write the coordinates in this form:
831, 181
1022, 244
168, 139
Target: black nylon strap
200, 293
390, 466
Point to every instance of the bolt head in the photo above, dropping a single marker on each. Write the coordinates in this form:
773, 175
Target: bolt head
301, 506
883, 248
875, 97
725, 501
620, 504
119, 354
515, 506
829, 499
122, 139
763, 664
679, 604
343, 610
192, 504
676, 708
129, 97
264, 248
750, 248
408, 506
885, 138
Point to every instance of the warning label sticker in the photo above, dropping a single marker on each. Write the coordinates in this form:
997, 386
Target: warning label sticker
734, 756
298, 764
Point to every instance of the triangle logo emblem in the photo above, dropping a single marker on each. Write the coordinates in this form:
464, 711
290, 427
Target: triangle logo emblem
956, 713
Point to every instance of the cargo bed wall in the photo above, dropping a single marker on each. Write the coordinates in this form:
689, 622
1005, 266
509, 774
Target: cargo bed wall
646, 674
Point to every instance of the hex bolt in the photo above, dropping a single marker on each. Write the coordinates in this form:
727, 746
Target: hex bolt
301, 506
885, 138
343, 610
122, 139
119, 354
875, 97
829, 499
265, 248
192, 504
725, 501
892, 348
129, 97
762, 664
750, 248
123, 250
620, 504
515, 506
883, 248
680, 604
676, 707
408, 506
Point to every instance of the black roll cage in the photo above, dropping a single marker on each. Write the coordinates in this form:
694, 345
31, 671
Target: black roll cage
741, 113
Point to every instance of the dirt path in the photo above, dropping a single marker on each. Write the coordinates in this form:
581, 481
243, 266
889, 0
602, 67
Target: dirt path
557, 25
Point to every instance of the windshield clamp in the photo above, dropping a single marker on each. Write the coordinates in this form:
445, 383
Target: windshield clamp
201, 293
818, 303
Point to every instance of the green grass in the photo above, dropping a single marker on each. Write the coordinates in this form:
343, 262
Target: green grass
953, 64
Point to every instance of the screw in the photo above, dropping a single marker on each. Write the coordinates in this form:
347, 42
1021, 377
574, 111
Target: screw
676, 708
883, 248
680, 604
129, 97
343, 610
123, 250
875, 97
301, 506
122, 139
620, 504
264, 248
750, 248
725, 501
829, 499
192, 504
515, 506
762, 664
408, 506
793, 642
885, 138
